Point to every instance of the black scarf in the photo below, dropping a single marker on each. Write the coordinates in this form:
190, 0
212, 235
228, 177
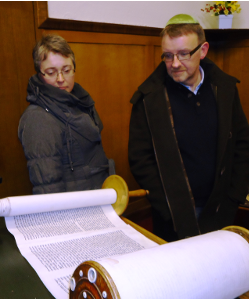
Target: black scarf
58, 103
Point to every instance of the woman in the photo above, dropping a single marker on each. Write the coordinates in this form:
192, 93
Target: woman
60, 130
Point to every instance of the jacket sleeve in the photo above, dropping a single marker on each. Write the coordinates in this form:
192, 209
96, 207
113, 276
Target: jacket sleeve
240, 165
142, 158
42, 142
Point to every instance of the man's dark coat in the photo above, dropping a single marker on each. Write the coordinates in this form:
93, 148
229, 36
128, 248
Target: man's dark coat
156, 162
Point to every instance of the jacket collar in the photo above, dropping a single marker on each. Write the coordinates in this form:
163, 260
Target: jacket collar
64, 106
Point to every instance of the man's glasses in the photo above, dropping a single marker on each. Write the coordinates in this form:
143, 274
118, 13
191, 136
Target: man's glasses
53, 73
167, 56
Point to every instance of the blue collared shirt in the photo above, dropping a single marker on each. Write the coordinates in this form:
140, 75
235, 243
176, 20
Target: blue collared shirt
199, 85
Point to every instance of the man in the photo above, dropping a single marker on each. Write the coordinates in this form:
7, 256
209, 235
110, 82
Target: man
188, 142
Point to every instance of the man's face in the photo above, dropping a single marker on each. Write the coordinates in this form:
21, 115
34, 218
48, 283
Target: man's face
54, 63
186, 71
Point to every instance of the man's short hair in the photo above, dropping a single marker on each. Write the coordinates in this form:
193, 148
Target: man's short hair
176, 30
51, 43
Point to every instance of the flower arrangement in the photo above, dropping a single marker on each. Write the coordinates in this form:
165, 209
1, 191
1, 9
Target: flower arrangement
223, 8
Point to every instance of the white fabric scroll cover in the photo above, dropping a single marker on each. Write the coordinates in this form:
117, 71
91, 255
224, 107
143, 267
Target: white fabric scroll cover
213, 265
13, 206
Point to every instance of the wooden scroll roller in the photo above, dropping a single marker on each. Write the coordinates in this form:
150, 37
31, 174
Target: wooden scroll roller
226, 273
119, 185
116, 193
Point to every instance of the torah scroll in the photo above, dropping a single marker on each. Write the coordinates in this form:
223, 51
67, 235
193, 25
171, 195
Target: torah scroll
57, 232
210, 266
13, 206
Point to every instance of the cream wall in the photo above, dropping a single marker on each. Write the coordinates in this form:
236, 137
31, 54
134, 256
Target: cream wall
140, 13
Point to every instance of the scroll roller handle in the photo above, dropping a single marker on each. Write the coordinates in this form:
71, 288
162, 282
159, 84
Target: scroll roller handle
119, 185
138, 193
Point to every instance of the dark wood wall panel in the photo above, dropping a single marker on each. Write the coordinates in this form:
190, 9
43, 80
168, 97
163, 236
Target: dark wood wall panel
157, 55
233, 58
17, 34
236, 63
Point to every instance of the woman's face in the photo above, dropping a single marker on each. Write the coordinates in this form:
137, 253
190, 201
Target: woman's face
58, 70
